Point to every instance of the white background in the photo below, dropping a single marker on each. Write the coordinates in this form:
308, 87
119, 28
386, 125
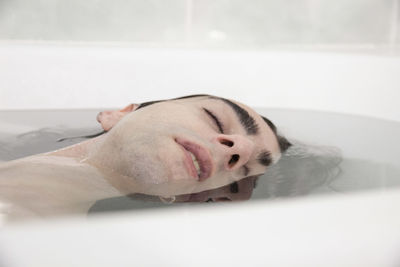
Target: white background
59, 76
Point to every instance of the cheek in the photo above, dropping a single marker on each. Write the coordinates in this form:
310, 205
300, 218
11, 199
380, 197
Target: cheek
159, 169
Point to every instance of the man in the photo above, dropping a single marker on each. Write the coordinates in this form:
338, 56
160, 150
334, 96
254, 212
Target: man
165, 148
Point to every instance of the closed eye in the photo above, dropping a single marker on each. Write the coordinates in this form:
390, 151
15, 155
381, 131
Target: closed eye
215, 119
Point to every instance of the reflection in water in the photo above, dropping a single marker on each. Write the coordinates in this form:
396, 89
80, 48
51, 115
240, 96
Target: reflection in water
304, 170
301, 170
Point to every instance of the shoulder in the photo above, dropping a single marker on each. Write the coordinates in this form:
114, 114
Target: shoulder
41, 167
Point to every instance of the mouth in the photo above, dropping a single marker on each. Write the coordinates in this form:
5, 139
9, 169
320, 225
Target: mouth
197, 159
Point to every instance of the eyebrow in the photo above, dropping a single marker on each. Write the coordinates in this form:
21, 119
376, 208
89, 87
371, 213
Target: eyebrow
246, 120
251, 127
264, 158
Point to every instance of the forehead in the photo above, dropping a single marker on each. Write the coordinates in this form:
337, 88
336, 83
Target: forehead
265, 136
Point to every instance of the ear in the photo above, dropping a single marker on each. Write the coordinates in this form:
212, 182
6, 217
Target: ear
109, 118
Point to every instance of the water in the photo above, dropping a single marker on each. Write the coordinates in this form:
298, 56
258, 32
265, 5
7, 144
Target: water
333, 153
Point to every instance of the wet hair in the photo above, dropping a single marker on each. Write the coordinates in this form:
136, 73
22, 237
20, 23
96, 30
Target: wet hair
301, 171
283, 143
145, 104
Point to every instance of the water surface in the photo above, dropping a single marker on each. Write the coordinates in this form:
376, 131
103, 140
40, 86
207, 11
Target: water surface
332, 153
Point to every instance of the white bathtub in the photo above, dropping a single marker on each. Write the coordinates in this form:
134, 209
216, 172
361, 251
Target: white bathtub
37, 76
357, 229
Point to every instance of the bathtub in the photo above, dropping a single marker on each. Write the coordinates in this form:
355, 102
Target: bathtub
330, 98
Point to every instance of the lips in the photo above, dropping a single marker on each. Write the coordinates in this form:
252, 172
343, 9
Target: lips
197, 159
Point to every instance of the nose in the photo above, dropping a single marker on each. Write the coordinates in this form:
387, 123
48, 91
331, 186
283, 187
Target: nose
236, 150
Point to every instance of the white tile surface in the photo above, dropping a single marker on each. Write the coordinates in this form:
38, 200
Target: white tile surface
292, 22
93, 20
205, 23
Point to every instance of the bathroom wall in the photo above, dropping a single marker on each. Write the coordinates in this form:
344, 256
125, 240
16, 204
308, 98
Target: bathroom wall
206, 23
57, 54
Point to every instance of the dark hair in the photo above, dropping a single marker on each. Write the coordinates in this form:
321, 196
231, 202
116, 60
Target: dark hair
145, 104
283, 143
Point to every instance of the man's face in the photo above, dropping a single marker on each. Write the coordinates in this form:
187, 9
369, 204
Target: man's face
186, 146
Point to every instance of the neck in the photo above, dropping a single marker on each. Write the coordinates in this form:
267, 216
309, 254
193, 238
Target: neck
86, 153
54, 183
78, 151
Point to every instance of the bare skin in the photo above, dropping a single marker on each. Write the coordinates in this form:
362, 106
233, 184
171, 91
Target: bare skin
238, 191
147, 151
55, 183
